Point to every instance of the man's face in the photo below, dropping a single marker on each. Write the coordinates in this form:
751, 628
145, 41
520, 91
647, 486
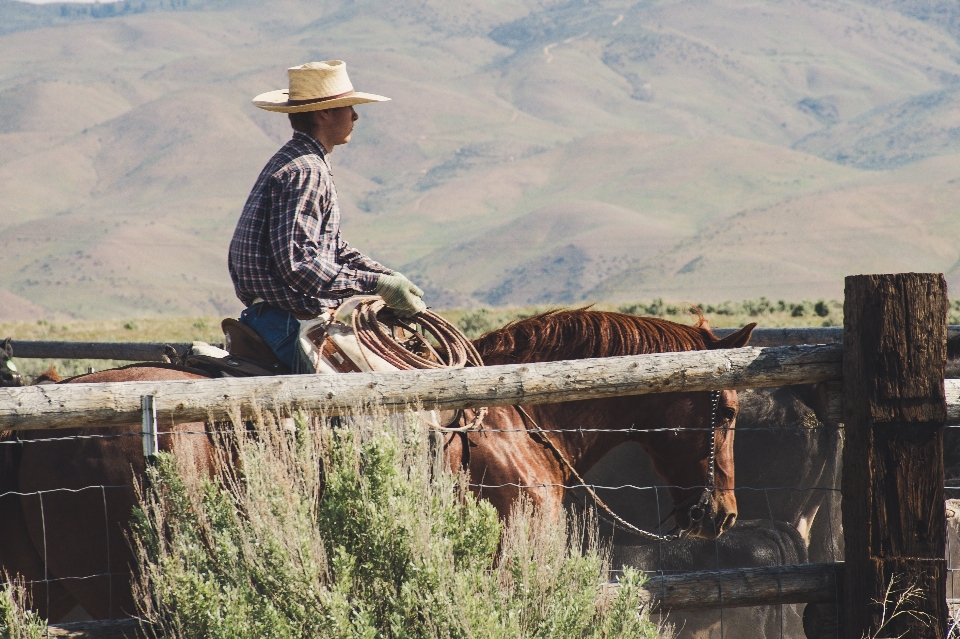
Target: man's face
337, 124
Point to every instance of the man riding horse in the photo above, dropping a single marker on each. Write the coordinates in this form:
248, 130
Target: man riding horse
287, 259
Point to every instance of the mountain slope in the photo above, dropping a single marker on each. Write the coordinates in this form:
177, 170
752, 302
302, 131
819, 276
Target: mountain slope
534, 151
893, 135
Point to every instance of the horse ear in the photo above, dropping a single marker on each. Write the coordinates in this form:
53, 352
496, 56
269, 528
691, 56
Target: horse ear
738, 339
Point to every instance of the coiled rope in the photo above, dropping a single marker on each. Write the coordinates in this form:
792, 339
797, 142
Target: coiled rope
375, 326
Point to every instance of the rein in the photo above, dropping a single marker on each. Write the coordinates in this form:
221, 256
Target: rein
617, 521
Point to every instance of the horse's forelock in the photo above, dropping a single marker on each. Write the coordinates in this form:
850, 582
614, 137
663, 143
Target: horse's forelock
581, 334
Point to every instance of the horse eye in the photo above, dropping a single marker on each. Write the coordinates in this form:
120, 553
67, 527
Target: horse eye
727, 413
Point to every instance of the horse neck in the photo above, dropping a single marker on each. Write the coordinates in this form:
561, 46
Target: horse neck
575, 426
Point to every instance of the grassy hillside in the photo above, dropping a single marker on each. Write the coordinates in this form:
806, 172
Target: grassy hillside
893, 135
536, 152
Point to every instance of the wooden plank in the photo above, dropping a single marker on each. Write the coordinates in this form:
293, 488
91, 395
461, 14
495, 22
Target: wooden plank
124, 351
702, 590
789, 336
112, 629
792, 336
739, 587
116, 404
894, 410
831, 402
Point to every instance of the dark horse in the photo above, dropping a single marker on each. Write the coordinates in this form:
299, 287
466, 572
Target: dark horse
67, 529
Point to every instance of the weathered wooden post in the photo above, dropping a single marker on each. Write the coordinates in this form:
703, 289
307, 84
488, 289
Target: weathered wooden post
894, 523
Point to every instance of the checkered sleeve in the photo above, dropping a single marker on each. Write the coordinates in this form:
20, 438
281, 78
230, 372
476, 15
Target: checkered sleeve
303, 248
355, 259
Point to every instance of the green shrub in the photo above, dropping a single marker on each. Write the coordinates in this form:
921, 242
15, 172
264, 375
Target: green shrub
383, 543
16, 619
477, 322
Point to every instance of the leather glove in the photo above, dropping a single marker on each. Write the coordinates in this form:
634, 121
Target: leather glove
400, 294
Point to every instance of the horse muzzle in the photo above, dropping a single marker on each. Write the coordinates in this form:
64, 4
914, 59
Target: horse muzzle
709, 517
10, 379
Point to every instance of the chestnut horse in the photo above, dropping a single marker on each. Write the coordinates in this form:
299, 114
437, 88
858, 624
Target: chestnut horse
505, 457
67, 529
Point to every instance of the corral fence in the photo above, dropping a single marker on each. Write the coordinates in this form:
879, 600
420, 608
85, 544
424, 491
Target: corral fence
881, 375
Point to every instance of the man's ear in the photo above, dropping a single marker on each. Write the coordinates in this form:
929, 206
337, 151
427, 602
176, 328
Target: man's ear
736, 340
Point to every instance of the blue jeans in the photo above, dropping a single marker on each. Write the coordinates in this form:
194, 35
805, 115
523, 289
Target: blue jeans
279, 329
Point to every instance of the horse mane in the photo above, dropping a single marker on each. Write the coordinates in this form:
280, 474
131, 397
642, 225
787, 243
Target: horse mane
583, 333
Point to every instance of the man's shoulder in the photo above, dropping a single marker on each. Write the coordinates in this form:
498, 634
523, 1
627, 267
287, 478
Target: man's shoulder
296, 157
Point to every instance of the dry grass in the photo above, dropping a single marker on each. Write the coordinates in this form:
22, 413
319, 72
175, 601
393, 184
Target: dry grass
156, 329
899, 602
168, 330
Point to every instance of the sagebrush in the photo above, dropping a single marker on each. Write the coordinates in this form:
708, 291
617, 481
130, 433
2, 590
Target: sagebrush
17, 621
382, 543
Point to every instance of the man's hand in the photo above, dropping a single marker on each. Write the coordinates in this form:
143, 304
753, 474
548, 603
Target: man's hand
400, 294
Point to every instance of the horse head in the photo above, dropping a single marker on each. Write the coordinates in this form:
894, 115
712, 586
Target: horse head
9, 375
690, 441
689, 436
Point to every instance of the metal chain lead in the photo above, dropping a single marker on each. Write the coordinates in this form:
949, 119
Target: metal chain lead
619, 522
712, 468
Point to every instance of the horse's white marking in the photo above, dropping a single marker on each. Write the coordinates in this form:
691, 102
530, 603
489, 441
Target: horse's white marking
806, 523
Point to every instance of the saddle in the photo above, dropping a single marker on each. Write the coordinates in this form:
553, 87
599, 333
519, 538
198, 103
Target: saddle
245, 354
330, 341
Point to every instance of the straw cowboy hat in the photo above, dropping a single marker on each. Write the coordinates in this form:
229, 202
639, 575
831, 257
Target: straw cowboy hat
315, 86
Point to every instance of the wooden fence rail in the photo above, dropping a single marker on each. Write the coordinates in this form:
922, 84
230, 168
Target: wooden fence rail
793, 336
702, 590
159, 351
125, 351
739, 587
86, 405
115, 404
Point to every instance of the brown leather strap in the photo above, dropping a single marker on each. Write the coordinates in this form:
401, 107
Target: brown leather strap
316, 100
333, 354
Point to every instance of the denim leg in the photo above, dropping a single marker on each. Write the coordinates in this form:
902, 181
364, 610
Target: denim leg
280, 330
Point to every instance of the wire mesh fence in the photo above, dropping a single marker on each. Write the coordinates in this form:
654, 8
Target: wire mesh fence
787, 492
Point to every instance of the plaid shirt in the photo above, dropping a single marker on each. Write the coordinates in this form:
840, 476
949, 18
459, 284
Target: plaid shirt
287, 247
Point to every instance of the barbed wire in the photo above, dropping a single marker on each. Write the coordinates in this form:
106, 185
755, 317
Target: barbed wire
656, 487
234, 431
45, 491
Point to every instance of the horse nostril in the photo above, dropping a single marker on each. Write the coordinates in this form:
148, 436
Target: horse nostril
696, 514
728, 522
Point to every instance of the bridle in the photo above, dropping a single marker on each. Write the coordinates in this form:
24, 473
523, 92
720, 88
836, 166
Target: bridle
616, 520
